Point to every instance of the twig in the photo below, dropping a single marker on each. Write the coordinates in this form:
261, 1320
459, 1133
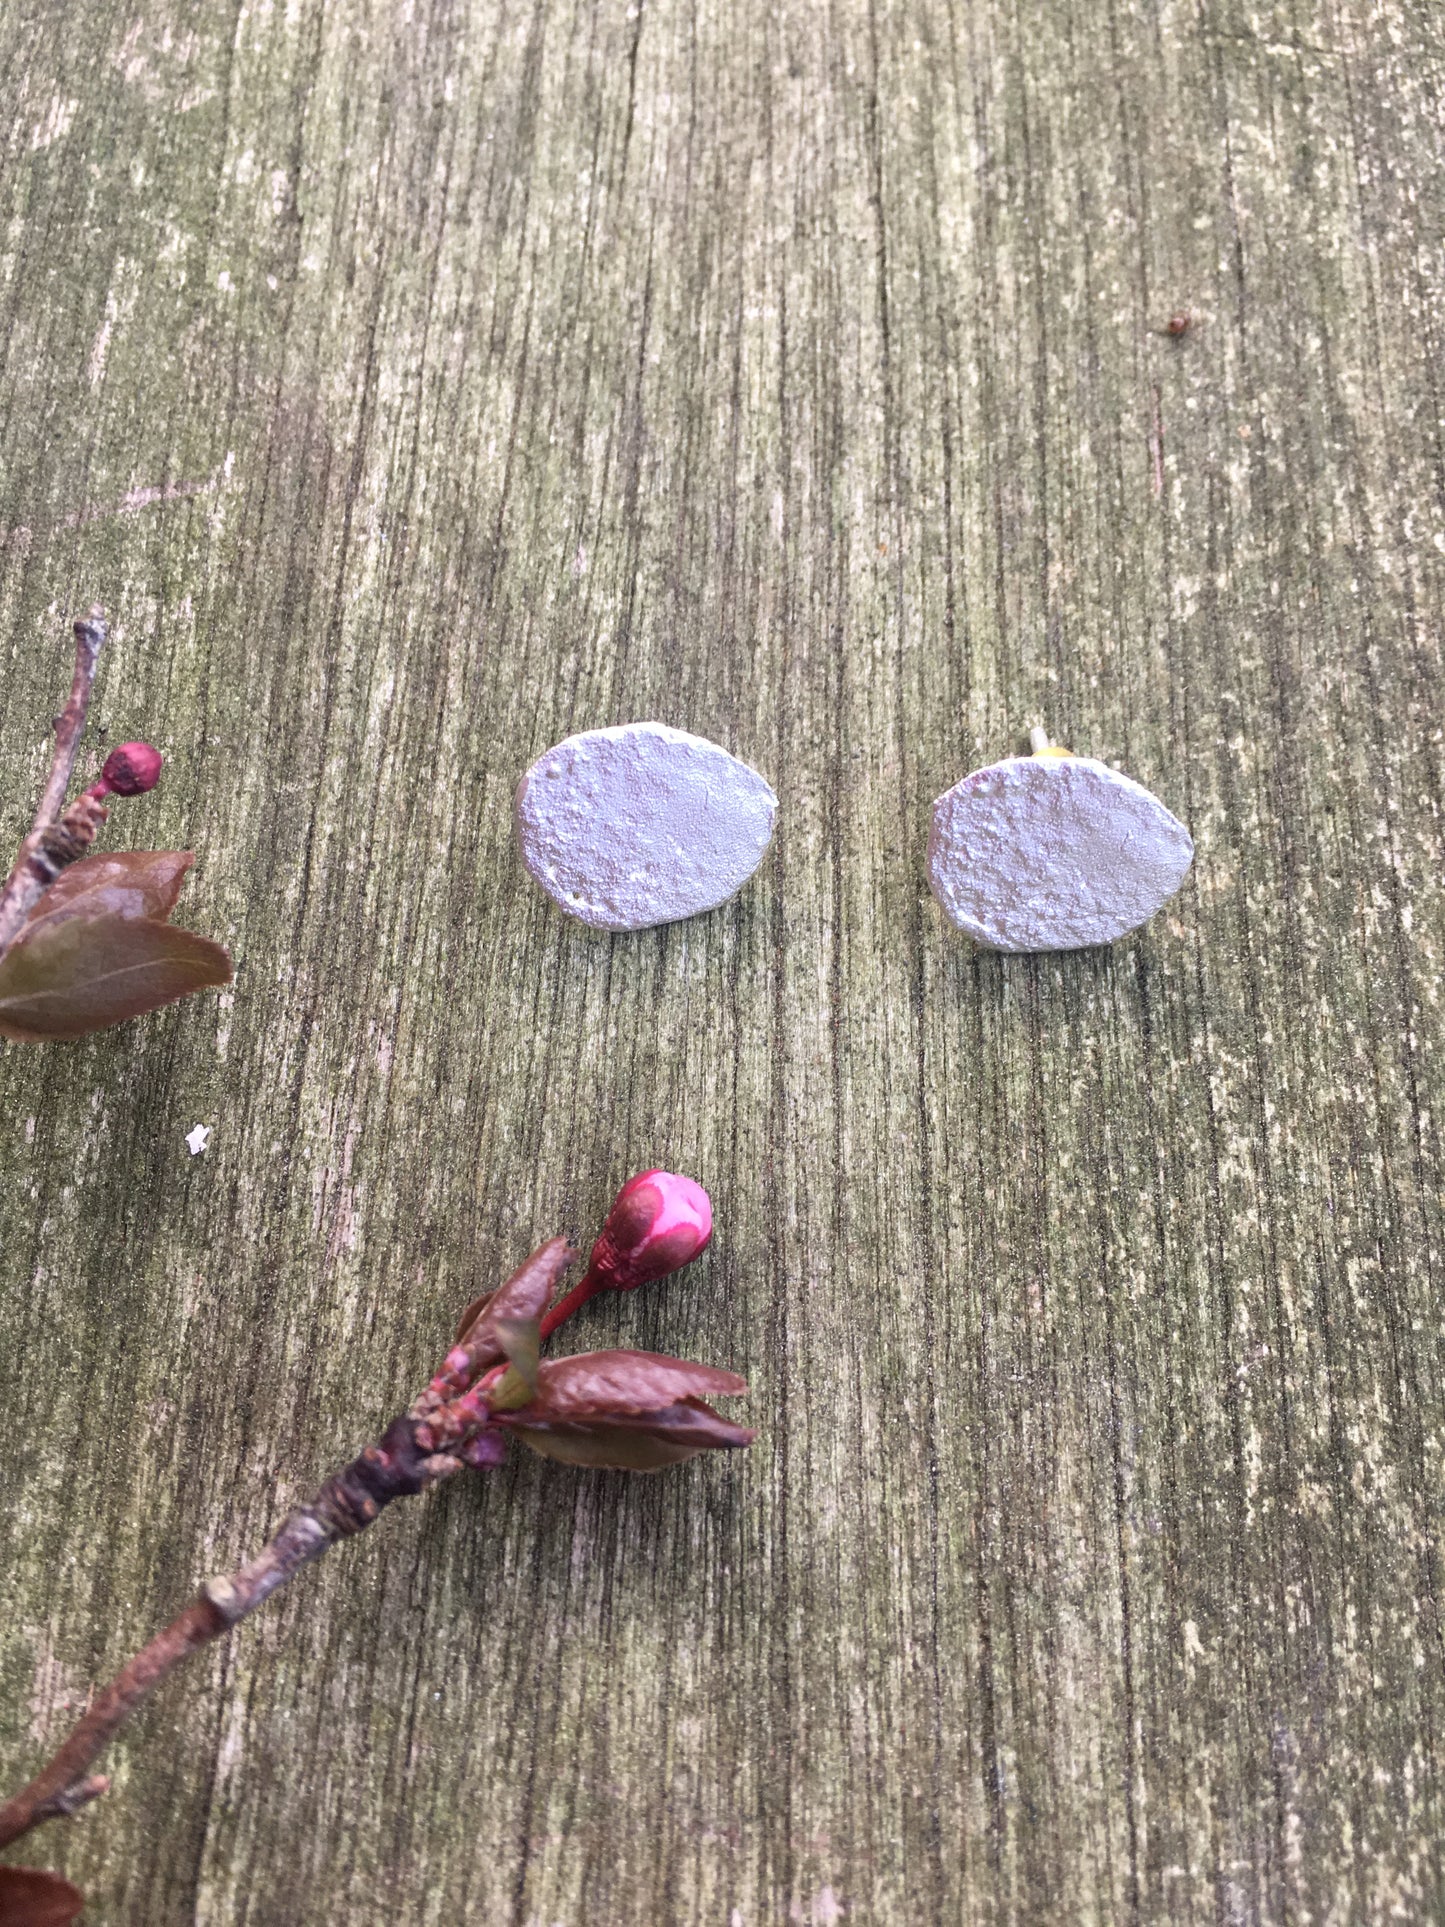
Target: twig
428, 1444
64, 1786
634, 1410
348, 1502
48, 847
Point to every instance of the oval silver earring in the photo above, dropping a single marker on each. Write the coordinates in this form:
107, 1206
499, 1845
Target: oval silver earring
641, 824
1053, 851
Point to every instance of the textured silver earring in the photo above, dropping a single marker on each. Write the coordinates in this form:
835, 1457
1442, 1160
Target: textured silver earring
641, 824
1053, 852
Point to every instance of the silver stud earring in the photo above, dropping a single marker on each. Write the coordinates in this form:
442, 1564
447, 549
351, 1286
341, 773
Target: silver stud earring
1053, 852
641, 824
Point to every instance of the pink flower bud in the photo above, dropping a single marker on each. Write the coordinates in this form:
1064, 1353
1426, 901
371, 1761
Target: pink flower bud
658, 1223
130, 770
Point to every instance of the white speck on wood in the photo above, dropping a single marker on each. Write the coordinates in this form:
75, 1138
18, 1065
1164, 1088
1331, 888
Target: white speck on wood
197, 1138
1053, 853
641, 824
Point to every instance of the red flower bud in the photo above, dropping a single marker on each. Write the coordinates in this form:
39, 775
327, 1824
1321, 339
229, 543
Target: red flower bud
658, 1223
130, 770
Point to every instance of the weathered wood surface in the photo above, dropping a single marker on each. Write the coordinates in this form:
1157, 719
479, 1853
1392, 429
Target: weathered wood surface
415, 383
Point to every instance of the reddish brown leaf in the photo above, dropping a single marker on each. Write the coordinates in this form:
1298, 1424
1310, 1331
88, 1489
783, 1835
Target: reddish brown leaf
32, 1898
72, 975
617, 1383
634, 1410
604, 1448
129, 883
524, 1295
645, 1443
470, 1316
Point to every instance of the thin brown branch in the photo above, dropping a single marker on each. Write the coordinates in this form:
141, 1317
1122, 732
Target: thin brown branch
36, 867
52, 1793
415, 1452
348, 1502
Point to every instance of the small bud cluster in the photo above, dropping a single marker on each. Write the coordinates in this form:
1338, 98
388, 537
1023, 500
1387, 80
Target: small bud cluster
634, 1410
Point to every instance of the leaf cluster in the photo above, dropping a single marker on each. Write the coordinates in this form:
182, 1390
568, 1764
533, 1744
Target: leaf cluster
98, 948
630, 1411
